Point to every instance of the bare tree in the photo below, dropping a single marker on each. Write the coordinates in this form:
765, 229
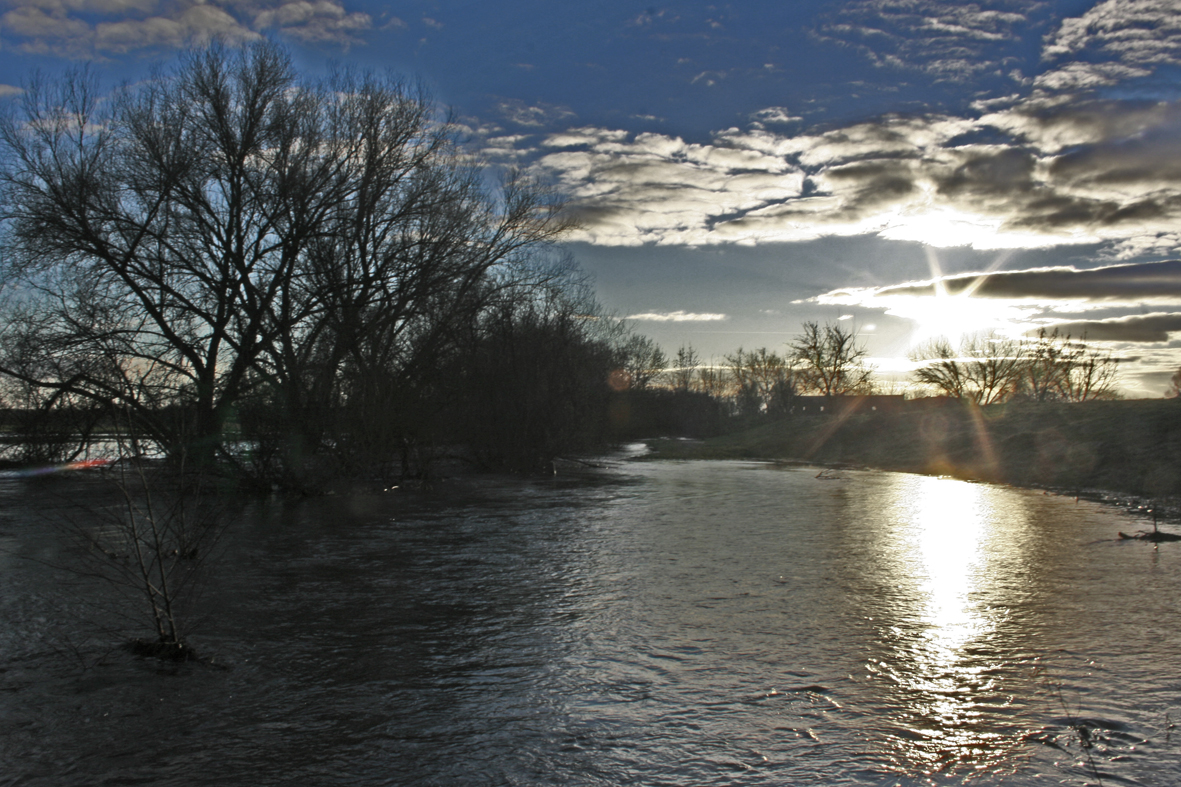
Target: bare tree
713, 380
684, 371
1058, 367
995, 368
1048, 363
986, 368
943, 368
764, 381
228, 232
643, 362
1174, 389
149, 548
1093, 375
830, 360
535, 377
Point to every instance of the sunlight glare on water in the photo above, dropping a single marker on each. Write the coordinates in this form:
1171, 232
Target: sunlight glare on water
950, 543
949, 521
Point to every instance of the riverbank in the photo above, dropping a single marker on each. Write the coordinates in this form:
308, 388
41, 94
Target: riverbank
1127, 447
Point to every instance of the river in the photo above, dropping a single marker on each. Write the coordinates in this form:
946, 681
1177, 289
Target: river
651, 623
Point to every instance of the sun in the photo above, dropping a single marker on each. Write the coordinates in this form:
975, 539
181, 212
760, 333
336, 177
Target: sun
954, 316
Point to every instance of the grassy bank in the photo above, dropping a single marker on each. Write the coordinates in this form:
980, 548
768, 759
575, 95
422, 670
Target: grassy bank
1131, 447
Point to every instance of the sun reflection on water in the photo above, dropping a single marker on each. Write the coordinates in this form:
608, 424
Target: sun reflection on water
948, 704
949, 519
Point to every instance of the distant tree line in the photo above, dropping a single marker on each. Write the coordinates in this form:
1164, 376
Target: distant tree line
823, 360
988, 369
827, 360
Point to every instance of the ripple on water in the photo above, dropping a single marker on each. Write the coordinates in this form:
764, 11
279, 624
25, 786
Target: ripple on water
661, 623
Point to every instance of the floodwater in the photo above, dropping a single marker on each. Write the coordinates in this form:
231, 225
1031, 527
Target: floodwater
666, 623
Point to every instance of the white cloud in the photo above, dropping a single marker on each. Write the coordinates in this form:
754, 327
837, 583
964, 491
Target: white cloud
653, 187
322, 20
677, 316
775, 115
949, 40
198, 24
1112, 42
583, 136
1057, 172
534, 115
1161, 244
8, 91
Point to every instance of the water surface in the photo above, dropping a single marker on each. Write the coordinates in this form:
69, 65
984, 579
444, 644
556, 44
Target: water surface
701, 623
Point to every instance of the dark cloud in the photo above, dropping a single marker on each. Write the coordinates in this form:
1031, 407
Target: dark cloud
1137, 282
991, 172
876, 182
1138, 160
1136, 328
1058, 210
1056, 124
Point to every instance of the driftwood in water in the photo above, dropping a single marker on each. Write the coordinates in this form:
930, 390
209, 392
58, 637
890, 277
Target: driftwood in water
1155, 535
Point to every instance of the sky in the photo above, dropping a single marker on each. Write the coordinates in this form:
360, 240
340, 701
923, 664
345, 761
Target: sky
906, 168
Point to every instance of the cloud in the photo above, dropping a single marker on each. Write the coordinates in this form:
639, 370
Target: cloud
1050, 126
321, 20
652, 187
708, 78
1112, 42
953, 41
775, 115
1109, 285
1052, 172
534, 115
1154, 327
1159, 245
1033, 170
8, 91
198, 24
90, 28
677, 316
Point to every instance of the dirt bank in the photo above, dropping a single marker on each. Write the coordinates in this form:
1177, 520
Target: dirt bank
1129, 447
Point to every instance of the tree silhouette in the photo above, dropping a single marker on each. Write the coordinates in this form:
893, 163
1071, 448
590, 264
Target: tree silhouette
229, 234
830, 360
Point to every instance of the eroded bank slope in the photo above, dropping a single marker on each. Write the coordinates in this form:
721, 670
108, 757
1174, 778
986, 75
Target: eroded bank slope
1132, 447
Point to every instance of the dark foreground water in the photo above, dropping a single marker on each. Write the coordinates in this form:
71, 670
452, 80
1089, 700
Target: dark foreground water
701, 623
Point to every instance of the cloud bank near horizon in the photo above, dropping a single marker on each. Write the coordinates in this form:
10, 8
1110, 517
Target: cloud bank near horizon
677, 316
1139, 328
1131, 284
1023, 301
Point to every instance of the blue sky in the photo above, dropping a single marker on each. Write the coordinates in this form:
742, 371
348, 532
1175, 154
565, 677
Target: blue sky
740, 168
